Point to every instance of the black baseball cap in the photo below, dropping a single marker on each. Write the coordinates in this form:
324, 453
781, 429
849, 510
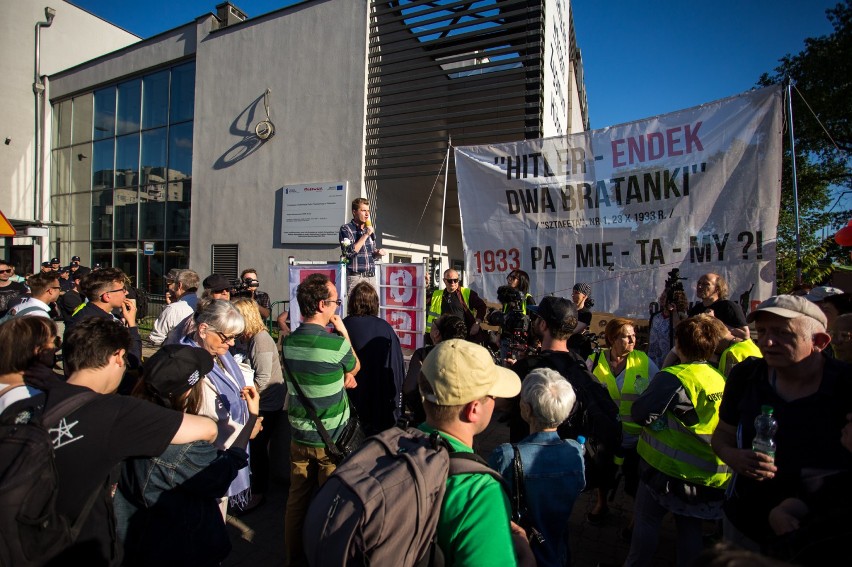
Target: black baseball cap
54, 260
75, 259
174, 369
45, 264
558, 311
216, 282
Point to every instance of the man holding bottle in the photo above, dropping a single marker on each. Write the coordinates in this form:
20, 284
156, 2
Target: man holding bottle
810, 394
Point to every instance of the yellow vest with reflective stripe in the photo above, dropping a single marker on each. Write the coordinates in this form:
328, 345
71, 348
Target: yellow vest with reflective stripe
635, 382
435, 306
683, 451
739, 352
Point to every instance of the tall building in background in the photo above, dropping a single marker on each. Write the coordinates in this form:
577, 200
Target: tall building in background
210, 145
37, 39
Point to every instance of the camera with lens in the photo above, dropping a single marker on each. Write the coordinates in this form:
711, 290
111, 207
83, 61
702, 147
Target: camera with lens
673, 284
513, 322
240, 288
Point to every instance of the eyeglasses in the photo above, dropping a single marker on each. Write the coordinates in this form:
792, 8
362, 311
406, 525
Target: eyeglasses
451, 280
5, 271
121, 289
55, 287
511, 278
705, 284
226, 338
337, 301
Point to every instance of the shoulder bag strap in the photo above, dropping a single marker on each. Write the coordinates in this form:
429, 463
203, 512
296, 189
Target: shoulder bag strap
518, 496
312, 412
597, 359
462, 462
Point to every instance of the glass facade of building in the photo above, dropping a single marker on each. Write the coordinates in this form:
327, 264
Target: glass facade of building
122, 175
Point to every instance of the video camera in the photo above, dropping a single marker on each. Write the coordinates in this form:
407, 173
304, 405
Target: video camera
513, 322
240, 288
673, 284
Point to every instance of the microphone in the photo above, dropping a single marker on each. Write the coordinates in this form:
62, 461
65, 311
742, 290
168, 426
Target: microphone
368, 222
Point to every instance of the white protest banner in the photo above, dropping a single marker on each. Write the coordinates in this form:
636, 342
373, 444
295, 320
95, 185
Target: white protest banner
619, 208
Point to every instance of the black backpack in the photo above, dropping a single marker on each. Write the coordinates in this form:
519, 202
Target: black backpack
382, 504
31, 529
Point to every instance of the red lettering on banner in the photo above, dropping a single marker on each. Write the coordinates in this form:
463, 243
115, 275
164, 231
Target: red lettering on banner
654, 145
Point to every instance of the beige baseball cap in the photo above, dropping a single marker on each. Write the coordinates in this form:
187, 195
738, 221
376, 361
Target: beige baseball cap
460, 372
789, 307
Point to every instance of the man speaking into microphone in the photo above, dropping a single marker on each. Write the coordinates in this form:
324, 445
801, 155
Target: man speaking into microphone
358, 243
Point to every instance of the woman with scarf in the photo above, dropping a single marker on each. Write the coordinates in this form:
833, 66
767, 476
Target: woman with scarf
217, 326
168, 508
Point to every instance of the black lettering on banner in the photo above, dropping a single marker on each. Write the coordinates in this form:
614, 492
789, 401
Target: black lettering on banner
594, 254
703, 251
654, 255
749, 238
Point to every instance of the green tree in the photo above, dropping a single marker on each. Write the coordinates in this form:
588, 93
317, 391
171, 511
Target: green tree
822, 74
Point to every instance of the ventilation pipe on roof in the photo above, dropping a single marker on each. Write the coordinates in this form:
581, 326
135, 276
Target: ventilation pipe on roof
228, 15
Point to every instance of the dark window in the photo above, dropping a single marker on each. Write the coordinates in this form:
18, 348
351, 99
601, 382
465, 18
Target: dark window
104, 113
129, 107
155, 100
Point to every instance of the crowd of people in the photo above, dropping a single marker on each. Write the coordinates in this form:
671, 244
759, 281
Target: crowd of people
152, 454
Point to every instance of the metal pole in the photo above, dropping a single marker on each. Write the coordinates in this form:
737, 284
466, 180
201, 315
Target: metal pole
38, 91
444, 203
795, 183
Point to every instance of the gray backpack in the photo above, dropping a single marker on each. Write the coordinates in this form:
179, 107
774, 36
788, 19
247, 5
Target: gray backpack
381, 506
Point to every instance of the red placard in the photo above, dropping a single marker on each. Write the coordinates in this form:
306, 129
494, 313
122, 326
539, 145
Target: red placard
404, 322
400, 285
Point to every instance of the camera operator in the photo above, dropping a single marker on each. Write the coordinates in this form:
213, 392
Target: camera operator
520, 280
583, 341
669, 310
514, 323
248, 287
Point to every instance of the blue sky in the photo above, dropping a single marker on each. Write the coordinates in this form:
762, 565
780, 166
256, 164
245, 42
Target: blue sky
641, 58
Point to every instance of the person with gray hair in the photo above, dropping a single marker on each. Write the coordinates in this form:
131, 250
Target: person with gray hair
552, 469
182, 290
811, 395
216, 329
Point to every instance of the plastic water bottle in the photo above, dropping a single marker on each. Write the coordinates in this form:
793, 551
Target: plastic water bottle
765, 426
582, 441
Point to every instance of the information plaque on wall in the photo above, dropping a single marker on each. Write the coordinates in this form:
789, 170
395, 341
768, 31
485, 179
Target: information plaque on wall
313, 213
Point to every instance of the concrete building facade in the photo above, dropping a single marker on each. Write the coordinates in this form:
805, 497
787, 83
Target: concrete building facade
193, 140
38, 38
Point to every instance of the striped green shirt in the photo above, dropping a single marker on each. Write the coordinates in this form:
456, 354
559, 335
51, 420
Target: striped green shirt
317, 359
